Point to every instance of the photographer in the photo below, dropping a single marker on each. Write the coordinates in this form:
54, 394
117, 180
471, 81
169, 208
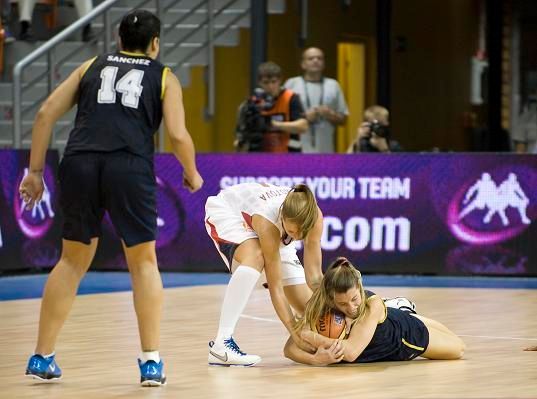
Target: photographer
271, 116
374, 135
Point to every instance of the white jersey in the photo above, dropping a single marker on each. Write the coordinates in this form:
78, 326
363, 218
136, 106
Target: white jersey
228, 220
263, 199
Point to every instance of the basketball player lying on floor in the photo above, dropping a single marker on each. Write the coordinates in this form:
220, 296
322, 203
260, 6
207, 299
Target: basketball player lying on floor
377, 333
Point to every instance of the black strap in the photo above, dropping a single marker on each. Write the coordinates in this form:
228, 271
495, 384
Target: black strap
308, 106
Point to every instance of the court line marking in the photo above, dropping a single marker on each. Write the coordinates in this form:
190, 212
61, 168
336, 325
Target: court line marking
460, 335
490, 337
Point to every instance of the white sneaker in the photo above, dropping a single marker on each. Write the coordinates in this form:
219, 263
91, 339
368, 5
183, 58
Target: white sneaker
228, 353
401, 303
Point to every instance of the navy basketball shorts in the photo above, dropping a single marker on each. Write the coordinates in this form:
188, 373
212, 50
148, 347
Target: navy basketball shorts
120, 183
414, 340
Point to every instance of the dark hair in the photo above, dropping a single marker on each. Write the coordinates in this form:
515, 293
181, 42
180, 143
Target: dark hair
137, 29
269, 70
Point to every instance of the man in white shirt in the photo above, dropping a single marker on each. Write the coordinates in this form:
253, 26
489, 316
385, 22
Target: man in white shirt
323, 101
524, 134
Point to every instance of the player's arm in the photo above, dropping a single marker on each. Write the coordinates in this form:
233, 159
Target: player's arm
269, 240
61, 100
362, 332
360, 335
58, 103
313, 254
322, 357
180, 139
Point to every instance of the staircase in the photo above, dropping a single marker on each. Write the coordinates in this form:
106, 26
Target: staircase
184, 44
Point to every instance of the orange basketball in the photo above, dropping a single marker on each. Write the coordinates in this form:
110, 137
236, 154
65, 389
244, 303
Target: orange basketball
332, 324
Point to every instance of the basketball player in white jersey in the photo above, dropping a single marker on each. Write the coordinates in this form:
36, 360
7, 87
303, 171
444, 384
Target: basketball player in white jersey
253, 226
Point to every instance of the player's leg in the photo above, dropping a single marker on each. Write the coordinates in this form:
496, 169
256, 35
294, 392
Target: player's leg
130, 197
246, 268
82, 215
58, 297
297, 295
295, 288
443, 343
148, 298
239, 248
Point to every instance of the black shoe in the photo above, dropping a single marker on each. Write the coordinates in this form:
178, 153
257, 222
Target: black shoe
26, 33
87, 34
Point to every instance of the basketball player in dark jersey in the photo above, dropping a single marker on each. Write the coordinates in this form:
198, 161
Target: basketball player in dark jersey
108, 165
377, 333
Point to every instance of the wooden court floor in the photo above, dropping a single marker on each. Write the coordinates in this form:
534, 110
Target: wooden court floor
98, 347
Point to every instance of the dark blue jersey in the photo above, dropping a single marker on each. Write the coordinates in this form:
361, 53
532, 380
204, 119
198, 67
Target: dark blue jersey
400, 336
119, 105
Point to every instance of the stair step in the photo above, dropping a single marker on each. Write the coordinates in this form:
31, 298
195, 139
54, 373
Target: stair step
273, 6
186, 27
238, 16
6, 129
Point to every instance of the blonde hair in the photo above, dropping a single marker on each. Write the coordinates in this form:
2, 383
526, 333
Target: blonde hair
376, 112
340, 277
300, 208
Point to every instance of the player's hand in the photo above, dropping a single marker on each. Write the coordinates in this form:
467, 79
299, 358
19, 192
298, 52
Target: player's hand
331, 355
307, 335
192, 181
303, 344
31, 189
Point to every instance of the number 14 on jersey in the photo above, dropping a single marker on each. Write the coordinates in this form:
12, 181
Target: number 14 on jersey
130, 87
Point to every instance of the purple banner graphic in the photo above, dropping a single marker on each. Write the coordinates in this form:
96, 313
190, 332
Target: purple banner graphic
397, 213
29, 239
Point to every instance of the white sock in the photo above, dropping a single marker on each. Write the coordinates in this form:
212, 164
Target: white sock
154, 355
49, 355
240, 286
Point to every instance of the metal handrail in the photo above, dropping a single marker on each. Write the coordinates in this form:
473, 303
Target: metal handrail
45, 48
103, 9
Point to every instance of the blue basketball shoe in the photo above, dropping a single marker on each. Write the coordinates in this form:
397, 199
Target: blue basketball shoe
43, 368
152, 373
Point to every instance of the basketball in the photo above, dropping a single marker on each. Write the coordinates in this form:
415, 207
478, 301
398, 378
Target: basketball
332, 324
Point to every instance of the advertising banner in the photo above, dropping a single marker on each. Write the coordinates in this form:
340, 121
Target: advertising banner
29, 239
399, 213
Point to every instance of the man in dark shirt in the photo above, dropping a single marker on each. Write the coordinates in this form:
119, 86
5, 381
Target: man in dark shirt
273, 118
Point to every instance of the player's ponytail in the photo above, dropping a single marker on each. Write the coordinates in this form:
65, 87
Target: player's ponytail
300, 208
137, 29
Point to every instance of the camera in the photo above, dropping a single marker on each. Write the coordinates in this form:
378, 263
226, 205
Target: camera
379, 129
253, 124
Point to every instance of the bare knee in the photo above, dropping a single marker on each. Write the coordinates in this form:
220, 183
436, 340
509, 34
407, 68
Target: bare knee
457, 349
142, 267
77, 257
